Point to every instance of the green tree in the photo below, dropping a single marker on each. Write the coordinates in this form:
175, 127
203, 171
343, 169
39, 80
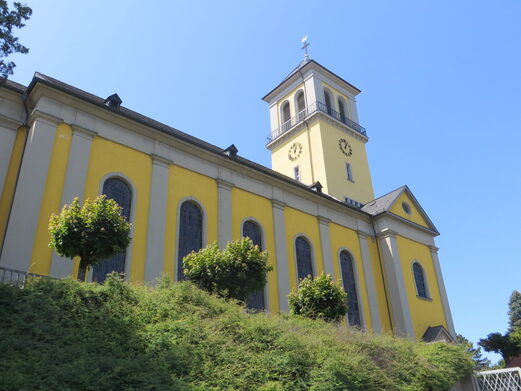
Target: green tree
9, 44
240, 269
508, 345
319, 298
514, 311
480, 362
93, 232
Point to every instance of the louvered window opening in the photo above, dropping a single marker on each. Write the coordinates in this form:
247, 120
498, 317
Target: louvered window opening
190, 233
117, 190
349, 282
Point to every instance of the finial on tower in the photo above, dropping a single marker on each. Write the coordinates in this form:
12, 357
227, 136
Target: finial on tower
305, 47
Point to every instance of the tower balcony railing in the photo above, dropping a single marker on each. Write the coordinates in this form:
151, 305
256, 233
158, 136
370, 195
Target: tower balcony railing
310, 110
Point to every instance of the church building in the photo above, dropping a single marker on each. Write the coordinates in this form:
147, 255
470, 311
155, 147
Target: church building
314, 211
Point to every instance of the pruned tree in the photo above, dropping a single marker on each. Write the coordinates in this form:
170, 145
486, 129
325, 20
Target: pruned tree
235, 272
508, 345
514, 311
10, 19
93, 231
319, 298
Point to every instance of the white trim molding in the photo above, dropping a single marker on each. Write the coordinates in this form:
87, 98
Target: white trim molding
443, 292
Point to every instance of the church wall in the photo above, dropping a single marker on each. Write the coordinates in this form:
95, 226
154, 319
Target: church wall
299, 223
42, 254
248, 206
281, 162
7, 140
424, 312
108, 159
415, 215
8, 189
185, 185
343, 238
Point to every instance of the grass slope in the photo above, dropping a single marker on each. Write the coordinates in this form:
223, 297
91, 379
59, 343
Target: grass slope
65, 335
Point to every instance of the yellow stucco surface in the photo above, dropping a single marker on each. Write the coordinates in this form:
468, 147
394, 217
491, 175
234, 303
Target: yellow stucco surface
424, 312
109, 159
300, 223
250, 206
381, 294
415, 215
6, 198
184, 185
42, 254
345, 238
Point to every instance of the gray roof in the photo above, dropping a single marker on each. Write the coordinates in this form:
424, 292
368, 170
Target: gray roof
383, 203
432, 334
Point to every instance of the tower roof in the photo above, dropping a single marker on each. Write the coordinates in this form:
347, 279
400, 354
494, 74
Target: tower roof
305, 65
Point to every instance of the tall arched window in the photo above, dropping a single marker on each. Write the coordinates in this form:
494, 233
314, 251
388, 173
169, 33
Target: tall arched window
304, 262
190, 233
301, 105
342, 109
119, 191
252, 230
419, 279
327, 99
286, 113
349, 282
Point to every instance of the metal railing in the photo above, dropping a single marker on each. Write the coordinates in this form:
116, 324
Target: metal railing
17, 277
308, 111
508, 379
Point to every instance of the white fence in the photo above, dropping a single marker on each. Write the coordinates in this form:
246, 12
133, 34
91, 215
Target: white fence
508, 379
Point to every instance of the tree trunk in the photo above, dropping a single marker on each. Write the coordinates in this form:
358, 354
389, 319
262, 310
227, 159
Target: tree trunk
82, 269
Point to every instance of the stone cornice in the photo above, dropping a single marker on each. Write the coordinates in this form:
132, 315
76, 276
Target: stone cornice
160, 160
323, 220
434, 249
9, 122
45, 117
88, 134
224, 184
278, 204
387, 233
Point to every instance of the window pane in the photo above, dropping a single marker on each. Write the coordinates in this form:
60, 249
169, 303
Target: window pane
304, 263
286, 114
251, 230
190, 233
342, 109
348, 280
300, 102
117, 190
419, 278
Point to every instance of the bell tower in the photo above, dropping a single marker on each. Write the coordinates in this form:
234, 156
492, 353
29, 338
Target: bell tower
315, 133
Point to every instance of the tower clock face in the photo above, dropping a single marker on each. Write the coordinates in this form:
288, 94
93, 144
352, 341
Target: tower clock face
294, 151
345, 147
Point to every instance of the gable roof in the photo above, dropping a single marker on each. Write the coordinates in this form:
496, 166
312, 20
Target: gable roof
383, 204
436, 334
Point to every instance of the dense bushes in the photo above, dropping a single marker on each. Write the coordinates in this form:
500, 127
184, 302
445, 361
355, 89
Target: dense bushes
75, 336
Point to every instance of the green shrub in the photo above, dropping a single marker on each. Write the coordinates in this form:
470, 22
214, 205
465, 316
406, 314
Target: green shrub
66, 335
234, 273
319, 298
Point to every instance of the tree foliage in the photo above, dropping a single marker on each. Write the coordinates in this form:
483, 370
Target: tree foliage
514, 311
235, 272
319, 298
10, 19
480, 363
93, 231
508, 344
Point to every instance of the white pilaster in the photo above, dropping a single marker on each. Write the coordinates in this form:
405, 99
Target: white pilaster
369, 283
225, 211
400, 312
281, 253
157, 218
7, 139
74, 186
25, 211
443, 292
325, 242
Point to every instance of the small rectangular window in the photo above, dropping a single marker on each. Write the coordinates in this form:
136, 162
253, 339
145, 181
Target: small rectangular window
349, 172
296, 172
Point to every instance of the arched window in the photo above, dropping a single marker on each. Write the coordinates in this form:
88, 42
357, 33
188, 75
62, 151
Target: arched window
190, 233
119, 191
286, 113
342, 110
252, 230
301, 105
349, 282
304, 262
327, 99
419, 279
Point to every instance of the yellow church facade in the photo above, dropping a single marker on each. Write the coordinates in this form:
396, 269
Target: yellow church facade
313, 212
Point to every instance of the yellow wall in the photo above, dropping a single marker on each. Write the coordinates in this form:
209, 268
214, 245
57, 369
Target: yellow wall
11, 177
106, 158
345, 238
424, 313
51, 202
415, 215
182, 184
335, 94
298, 222
250, 206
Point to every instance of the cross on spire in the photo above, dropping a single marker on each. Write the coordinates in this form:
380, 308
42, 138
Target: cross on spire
305, 47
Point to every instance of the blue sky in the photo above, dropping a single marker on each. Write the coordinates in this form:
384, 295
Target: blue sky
441, 100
